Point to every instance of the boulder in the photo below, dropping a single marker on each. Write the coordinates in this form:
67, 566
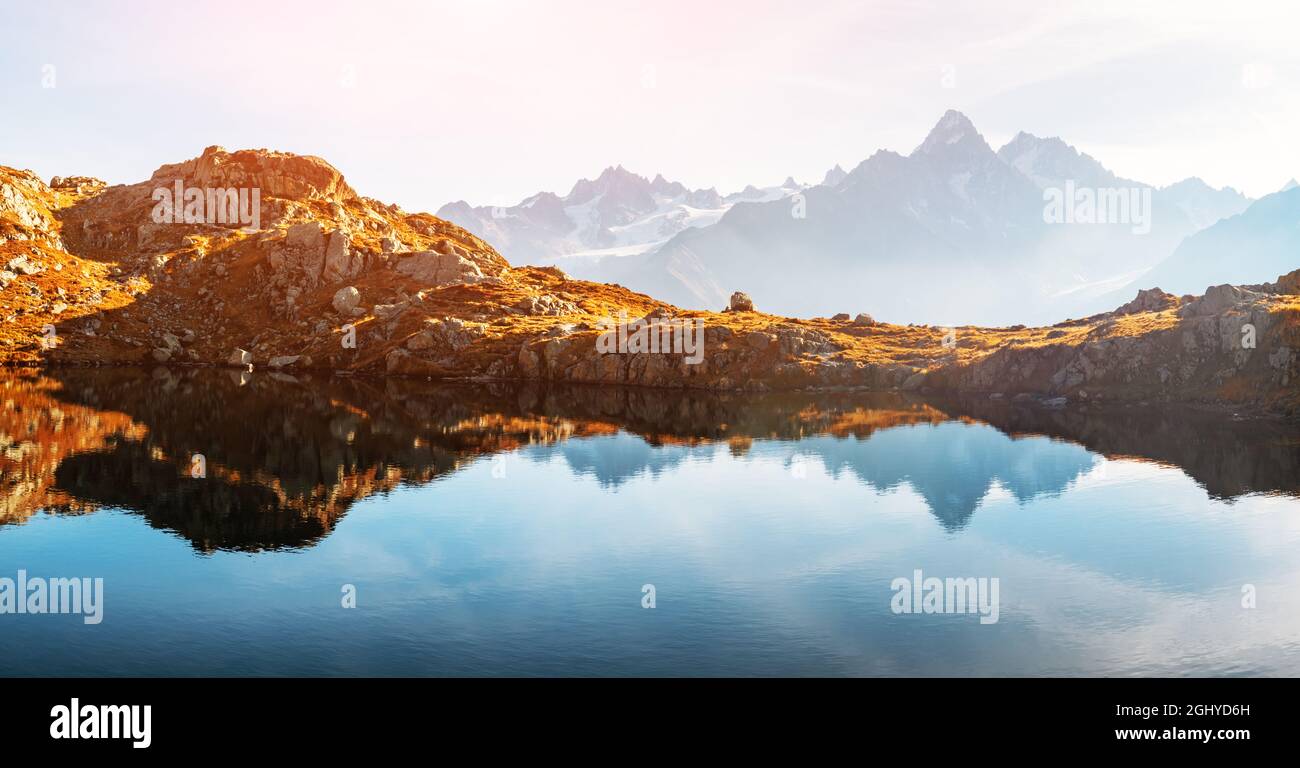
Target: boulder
307, 235
448, 248
345, 300
420, 341
1217, 300
436, 269
240, 357
81, 185
740, 302
23, 266
864, 319
1149, 300
340, 262
277, 174
1288, 283
282, 361
841, 317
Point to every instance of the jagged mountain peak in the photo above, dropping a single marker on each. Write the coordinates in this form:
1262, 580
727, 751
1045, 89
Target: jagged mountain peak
1190, 183
665, 187
614, 171
615, 178
541, 197
619, 174
1051, 161
1025, 142
954, 129
834, 176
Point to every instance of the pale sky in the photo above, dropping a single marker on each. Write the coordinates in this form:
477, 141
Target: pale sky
492, 100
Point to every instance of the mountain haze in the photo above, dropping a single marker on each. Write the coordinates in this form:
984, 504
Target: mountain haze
619, 213
1248, 248
960, 225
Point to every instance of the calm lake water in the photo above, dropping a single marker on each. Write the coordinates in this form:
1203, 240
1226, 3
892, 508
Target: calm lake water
493, 530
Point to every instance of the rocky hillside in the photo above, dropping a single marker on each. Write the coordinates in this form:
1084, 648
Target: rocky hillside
325, 279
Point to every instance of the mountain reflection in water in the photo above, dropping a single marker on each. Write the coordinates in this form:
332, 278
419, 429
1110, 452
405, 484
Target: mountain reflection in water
492, 529
286, 457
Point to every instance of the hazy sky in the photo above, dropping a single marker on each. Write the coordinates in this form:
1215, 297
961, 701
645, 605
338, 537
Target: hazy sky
491, 100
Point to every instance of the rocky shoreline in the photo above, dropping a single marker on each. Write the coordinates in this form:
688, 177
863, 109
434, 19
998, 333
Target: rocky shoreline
330, 281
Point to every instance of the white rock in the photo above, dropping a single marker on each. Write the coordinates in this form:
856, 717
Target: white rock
345, 300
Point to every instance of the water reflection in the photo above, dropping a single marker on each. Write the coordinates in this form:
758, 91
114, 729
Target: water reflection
287, 457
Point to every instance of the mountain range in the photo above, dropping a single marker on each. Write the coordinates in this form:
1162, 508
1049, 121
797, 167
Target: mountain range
316, 277
964, 224
1236, 249
617, 214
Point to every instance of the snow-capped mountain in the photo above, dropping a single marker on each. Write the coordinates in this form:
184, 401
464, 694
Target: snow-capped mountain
967, 223
617, 214
951, 217
973, 226
1187, 206
1096, 264
1051, 162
